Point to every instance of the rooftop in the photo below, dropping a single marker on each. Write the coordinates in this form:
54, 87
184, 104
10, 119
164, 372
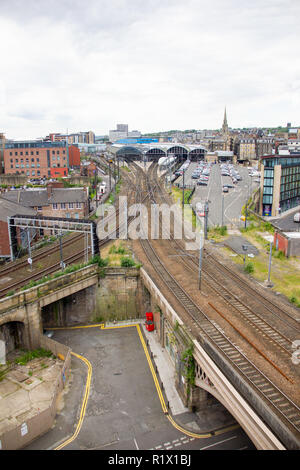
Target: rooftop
10, 208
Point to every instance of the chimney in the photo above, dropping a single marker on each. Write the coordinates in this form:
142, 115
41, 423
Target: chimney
49, 190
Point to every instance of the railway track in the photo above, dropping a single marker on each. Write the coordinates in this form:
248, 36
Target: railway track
218, 275
75, 257
287, 411
40, 254
42, 273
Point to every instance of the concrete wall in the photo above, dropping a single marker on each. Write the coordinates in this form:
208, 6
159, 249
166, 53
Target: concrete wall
40, 423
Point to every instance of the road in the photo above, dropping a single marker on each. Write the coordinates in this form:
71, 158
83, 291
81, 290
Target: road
233, 201
123, 409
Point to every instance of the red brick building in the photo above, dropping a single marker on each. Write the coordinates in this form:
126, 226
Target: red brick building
88, 169
36, 159
74, 156
9, 209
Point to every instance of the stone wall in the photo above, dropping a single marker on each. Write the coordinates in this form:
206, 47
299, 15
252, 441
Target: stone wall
119, 295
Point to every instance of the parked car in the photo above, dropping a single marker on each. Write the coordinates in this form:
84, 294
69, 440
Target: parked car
297, 217
225, 189
202, 183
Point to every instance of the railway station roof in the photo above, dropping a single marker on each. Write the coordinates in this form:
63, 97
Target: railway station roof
144, 148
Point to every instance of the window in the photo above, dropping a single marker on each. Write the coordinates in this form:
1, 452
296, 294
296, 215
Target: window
63, 205
78, 205
71, 205
37, 152
39, 208
54, 206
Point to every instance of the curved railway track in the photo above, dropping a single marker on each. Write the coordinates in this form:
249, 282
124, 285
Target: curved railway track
286, 410
75, 257
217, 274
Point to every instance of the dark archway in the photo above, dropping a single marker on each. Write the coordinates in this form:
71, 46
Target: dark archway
197, 154
155, 154
12, 333
129, 153
178, 151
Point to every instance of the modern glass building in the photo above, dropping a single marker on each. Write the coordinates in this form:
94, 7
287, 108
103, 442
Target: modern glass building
280, 183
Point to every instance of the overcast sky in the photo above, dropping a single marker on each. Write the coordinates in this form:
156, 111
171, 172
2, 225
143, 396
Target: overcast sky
154, 64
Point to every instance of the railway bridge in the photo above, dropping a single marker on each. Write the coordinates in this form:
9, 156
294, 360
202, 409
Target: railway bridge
214, 377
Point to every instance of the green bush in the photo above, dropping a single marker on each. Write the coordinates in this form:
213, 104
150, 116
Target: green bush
127, 262
117, 250
249, 268
30, 355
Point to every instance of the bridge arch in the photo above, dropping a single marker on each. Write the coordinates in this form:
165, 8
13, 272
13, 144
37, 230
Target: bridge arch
155, 153
13, 335
128, 152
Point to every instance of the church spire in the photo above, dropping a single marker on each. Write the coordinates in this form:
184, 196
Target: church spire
225, 124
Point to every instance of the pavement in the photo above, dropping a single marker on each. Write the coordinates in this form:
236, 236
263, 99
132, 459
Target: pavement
204, 421
236, 242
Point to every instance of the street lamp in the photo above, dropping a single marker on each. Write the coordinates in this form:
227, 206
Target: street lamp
269, 283
183, 184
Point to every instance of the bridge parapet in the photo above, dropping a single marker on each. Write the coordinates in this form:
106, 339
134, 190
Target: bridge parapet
35, 293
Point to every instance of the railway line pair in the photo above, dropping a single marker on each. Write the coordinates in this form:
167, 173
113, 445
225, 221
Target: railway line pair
272, 326
207, 330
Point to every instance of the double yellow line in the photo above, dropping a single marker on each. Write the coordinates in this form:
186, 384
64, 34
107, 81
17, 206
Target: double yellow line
84, 403
156, 382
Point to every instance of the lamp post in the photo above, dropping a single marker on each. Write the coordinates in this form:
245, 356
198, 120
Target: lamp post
270, 262
245, 249
206, 210
183, 184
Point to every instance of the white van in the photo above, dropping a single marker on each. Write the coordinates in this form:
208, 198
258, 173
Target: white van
297, 217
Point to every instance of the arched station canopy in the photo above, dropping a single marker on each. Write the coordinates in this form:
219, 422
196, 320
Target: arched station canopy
129, 152
155, 152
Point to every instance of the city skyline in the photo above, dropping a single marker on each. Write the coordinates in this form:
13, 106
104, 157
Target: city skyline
155, 65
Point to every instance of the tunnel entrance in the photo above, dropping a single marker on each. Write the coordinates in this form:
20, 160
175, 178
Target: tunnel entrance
12, 333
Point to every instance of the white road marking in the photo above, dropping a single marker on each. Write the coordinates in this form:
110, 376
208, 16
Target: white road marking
219, 442
137, 447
